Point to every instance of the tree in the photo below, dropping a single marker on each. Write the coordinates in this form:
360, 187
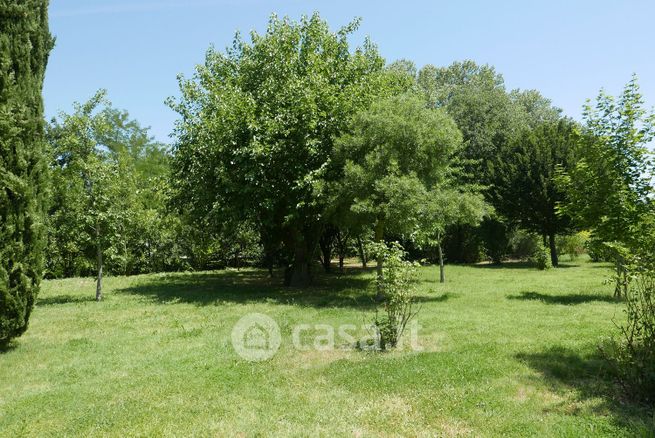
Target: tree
488, 117
445, 207
255, 136
609, 190
525, 191
475, 97
396, 153
25, 43
94, 185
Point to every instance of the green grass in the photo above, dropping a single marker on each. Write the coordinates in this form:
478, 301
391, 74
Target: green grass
507, 351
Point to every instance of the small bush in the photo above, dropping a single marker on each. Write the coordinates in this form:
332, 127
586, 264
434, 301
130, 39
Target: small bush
541, 257
398, 286
596, 250
633, 353
574, 245
495, 235
523, 244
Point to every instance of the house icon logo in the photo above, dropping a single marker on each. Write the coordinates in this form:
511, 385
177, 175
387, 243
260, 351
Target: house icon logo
256, 337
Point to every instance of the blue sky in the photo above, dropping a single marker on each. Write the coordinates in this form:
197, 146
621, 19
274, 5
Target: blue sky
568, 50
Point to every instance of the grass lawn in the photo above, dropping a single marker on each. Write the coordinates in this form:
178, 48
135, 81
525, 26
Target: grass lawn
507, 351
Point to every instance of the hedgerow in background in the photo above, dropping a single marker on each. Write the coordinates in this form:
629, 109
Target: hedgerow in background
25, 43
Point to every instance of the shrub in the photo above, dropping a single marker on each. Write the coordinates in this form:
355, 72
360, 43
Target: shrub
633, 353
398, 286
541, 257
596, 250
574, 244
523, 244
495, 235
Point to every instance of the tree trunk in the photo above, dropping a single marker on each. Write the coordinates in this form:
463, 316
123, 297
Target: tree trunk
621, 286
379, 235
362, 254
99, 263
342, 242
326, 259
553, 249
442, 273
299, 273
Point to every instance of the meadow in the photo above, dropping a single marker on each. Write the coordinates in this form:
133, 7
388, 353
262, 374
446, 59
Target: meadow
507, 351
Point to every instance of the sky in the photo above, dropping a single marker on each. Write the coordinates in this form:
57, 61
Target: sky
568, 50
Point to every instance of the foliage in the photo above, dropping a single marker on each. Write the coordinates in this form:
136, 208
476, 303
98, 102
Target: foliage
475, 97
396, 159
541, 257
574, 245
398, 150
24, 46
609, 191
446, 207
109, 195
523, 244
596, 249
254, 140
398, 288
495, 235
633, 353
524, 189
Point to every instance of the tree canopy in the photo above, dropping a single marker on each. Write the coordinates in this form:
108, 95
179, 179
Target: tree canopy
25, 44
255, 138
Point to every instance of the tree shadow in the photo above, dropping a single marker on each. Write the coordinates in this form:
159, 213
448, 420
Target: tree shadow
7, 346
246, 286
518, 265
591, 377
567, 300
64, 299
434, 298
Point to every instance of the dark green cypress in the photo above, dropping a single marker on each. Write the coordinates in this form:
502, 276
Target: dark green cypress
25, 42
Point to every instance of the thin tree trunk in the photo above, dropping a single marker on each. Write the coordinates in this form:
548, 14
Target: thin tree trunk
442, 273
553, 249
299, 273
379, 235
362, 254
99, 263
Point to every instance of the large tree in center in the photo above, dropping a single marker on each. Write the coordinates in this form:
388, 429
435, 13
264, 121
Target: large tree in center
24, 46
257, 124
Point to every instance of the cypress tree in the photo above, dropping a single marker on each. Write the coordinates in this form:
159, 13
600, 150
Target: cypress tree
25, 42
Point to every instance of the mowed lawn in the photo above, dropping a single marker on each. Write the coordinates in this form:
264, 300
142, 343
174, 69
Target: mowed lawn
508, 351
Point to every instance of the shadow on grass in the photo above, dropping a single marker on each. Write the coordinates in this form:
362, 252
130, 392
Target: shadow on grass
350, 289
63, 299
435, 298
518, 265
6, 347
250, 285
590, 377
567, 300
